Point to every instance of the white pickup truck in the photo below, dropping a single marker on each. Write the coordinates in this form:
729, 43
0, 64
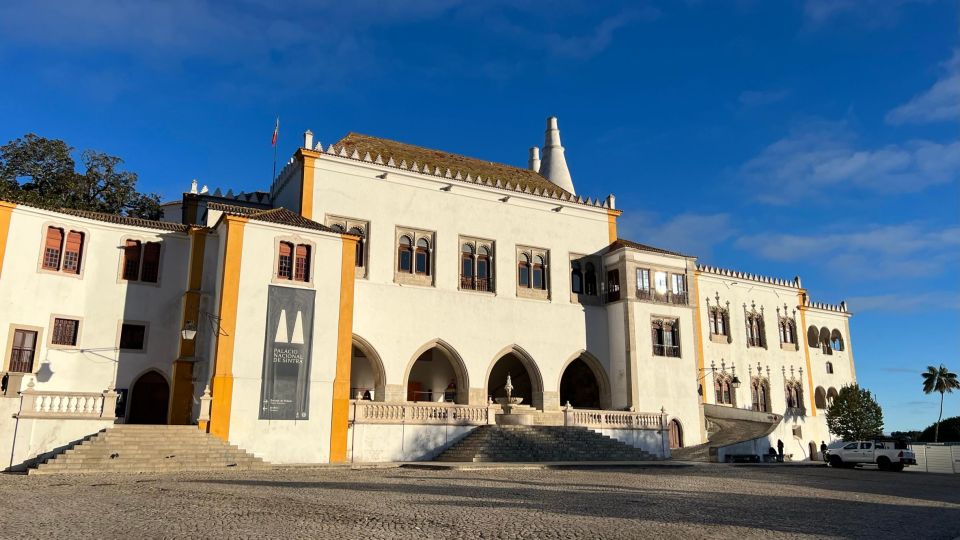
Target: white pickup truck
886, 455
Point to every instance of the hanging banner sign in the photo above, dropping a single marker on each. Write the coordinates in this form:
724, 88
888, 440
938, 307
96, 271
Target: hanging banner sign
285, 387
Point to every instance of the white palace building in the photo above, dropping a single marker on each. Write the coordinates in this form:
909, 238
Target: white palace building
371, 305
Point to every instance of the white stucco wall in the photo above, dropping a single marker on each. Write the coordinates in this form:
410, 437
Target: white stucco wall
284, 441
98, 297
371, 443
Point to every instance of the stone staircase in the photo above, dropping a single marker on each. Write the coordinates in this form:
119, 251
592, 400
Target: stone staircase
725, 431
147, 449
538, 444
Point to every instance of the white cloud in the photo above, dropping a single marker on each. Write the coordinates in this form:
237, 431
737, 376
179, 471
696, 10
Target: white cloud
816, 160
687, 233
905, 302
868, 12
940, 103
904, 251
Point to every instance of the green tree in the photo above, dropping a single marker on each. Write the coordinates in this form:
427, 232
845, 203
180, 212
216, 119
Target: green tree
854, 414
939, 380
947, 430
39, 171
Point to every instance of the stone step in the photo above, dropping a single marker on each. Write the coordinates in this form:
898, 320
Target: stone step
539, 443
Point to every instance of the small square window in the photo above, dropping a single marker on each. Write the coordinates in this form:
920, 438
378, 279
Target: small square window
65, 332
133, 336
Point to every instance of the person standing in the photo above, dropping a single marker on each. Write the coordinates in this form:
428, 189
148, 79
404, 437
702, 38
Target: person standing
823, 450
779, 451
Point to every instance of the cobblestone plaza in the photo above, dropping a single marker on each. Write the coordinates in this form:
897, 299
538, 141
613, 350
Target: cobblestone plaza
663, 502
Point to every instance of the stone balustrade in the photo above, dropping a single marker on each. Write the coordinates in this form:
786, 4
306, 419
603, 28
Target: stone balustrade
376, 412
613, 419
68, 405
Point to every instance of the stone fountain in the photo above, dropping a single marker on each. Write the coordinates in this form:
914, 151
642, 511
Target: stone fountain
510, 417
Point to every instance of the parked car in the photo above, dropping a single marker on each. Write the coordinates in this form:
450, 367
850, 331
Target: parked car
886, 455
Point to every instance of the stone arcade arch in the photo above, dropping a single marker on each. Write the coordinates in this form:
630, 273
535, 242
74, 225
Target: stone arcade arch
584, 383
149, 399
524, 374
831, 395
436, 373
368, 378
820, 398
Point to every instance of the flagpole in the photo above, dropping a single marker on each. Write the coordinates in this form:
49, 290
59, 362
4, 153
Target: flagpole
276, 139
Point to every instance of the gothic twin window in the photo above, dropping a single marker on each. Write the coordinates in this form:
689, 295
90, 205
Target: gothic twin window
794, 394
723, 389
532, 277
583, 277
756, 335
760, 390
788, 331
358, 228
414, 257
719, 321
476, 265
665, 334
62, 251
293, 262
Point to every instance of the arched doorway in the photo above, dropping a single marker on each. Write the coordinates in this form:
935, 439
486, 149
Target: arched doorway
584, 384
524, 376
437, 374
676, 434
367, 377
149, 399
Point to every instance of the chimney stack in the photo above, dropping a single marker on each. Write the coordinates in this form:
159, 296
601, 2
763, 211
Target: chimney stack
554, 164
534, 162
308, 139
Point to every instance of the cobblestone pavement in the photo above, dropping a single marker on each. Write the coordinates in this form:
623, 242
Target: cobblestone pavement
690, 502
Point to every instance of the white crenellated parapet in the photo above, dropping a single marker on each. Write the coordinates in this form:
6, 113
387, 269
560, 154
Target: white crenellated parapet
706, 269
837, 308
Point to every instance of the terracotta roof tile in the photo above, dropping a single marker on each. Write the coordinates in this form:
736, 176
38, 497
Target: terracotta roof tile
280, 216
126, 220
622, 242
444, 160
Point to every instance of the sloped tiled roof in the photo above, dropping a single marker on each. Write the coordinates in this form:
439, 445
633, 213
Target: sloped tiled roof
622, 242
280, 216
126, 220
434, 159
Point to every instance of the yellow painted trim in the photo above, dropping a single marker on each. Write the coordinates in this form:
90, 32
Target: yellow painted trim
308, 158
181, 403
698, 328
806, 350
849, 349
612, 225
222, 386
6, 209
339, 418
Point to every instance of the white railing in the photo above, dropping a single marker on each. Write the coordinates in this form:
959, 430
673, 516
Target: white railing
67, 405
374, 412
613, 419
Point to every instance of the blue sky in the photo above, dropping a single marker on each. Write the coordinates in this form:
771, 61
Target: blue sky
810, 137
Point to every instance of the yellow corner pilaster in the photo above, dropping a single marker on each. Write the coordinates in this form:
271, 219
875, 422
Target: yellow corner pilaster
612, 225
339, 420
806, 350
698, 327
6, 210
308, 159
222, 387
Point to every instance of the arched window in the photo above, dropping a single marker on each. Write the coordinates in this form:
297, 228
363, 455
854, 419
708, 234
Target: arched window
825, 341
723, 388
788, 331
836, 340
813, 336
820, 398
829, 367
285, 261
359, 260
753, 320
483, 282
423, 257
718, 322
466, 267
590, 279
338, 228
405, 254
794, 395
523, 269
539, 279
760, 390
576, 278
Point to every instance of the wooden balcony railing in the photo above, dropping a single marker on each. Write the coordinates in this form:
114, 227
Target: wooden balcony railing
475, 284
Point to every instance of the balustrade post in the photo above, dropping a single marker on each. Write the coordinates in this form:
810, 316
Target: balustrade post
663, 433
203, 421
108, 410
568, 419
28, 401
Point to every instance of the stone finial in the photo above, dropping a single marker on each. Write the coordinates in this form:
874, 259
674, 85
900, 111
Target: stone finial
308, 139
553, 167
193, 186
533, 163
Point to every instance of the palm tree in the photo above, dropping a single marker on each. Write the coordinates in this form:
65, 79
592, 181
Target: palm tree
939, 380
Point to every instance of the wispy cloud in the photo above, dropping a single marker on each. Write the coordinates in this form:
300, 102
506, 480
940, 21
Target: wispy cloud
689, 233
868, 12
905, 302
939, 103
759, 98
819, 158
906, 250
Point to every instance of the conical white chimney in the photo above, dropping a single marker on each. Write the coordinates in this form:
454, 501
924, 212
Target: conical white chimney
554, 164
